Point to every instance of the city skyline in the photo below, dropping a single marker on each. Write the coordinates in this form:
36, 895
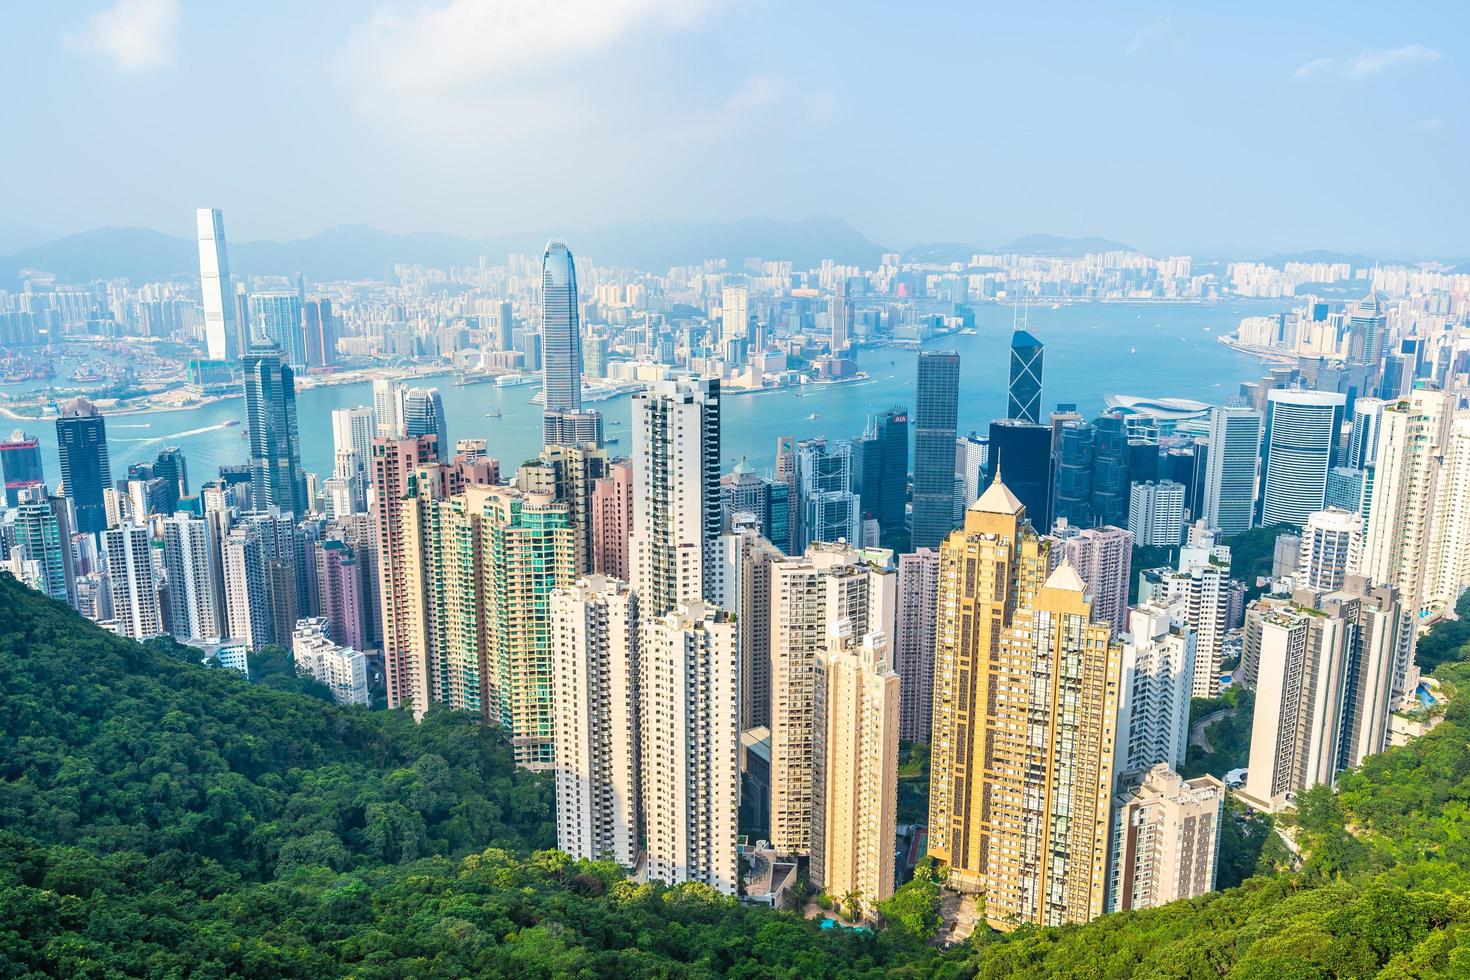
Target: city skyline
394, 85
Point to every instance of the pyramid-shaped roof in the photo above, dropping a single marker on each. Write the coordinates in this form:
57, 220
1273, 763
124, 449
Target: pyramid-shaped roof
997, 499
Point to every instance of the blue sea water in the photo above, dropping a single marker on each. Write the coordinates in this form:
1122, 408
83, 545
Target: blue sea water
1091, 351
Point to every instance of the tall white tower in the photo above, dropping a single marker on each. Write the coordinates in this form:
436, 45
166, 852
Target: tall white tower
221, 332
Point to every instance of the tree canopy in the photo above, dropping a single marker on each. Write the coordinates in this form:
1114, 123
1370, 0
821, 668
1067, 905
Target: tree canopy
160, 818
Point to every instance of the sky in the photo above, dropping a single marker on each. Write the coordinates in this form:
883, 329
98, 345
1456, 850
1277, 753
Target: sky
1201, 128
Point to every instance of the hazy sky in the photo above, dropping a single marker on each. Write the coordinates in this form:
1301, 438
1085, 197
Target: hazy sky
1170, 127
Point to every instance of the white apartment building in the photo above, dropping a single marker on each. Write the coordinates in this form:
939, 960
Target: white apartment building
594, 664
810, 593
1156, 513
1155, 689
129, 559
192, 568
689, 744
1166, 839
340, 668
856, 809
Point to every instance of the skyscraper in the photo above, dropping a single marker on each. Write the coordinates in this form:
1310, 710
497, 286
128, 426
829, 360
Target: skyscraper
881, 458
1020, 454
1321, 666
387, 413
43, 537
276, 479
1103, 557
1363, 442
129, 559
1024, 392
1155, 690
1301, 431
594, 655
934, 434
222, 335
827, 507
194, 573
1230, 474
20, 464
1367, 329
275, 317
1166, 839
423, 415
529, 553
561, 330
612, 521
855, 804
1156, 513
81, 443
1010, 563
394, 461
1399, 535
810, 595
676, 491
320, 330
342, 599
735, 313
688, 688
913, 645
1025, 715
1331, 548
247, 587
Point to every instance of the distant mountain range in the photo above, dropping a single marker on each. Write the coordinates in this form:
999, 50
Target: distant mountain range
1052, 246
362, 252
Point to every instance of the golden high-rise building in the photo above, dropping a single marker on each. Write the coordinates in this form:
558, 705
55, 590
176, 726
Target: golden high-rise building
1025, 717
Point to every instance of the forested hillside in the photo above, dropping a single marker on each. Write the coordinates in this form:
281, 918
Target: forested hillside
158, 818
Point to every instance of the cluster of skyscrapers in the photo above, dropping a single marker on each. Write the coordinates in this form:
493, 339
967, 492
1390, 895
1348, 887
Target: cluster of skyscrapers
700, 657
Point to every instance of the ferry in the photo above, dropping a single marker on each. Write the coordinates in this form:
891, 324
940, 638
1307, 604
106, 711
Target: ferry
229, 422
515, 380
494, 413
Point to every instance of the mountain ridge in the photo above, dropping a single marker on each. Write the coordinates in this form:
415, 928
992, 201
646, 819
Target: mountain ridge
362, 251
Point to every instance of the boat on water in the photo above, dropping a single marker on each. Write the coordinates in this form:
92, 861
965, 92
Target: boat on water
1056, 306
229, 422
610, 442
494, 413
811, 416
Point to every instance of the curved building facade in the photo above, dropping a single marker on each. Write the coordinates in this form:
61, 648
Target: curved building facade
561, 330
1296, 453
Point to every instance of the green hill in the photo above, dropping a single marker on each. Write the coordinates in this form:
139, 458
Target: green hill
158, 818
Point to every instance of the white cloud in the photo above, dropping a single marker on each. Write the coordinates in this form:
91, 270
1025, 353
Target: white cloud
1312, 67
1369, 63
1145, 36
437, 49
1431, 125
135, 35
1372, 62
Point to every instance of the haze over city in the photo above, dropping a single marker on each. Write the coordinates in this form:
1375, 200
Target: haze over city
728, 488
1173, 128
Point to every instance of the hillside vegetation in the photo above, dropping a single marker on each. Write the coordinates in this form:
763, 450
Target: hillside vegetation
158, 818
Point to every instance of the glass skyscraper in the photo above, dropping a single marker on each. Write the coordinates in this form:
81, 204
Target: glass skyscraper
423, 415
934, 453
1230, 475
1020, 455
1024, 401
276, 479
86, 470
276, 316
1301, 430
20, 462
561, 331
881, 468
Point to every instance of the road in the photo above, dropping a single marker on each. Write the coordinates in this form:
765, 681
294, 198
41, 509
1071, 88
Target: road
1197, 732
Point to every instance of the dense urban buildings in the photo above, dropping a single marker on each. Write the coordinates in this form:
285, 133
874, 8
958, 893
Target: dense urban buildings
86, 470
706, 651
936, 400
